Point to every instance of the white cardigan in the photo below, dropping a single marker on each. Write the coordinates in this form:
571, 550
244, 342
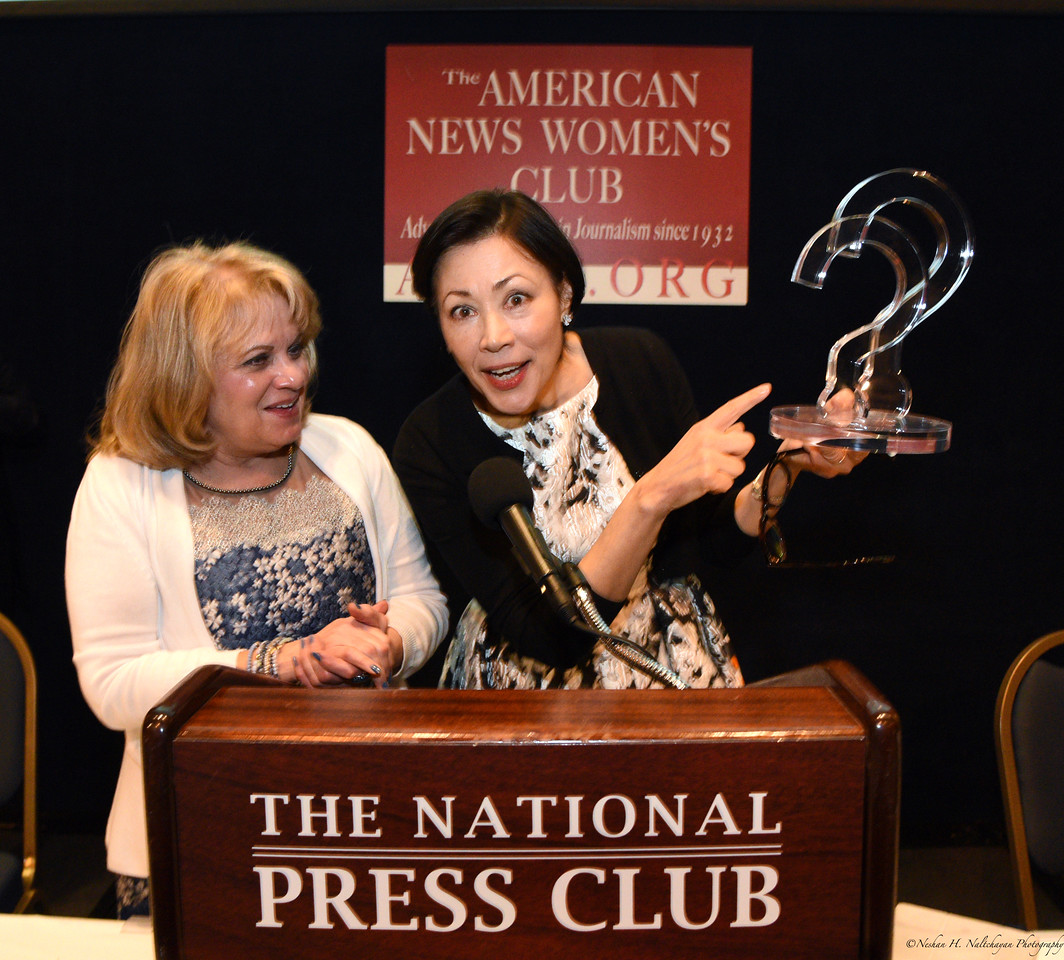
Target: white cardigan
135, 616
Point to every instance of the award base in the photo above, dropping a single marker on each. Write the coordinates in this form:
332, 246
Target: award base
882, 431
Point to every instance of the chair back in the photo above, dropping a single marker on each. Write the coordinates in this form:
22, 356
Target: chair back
1029, 732
18, 763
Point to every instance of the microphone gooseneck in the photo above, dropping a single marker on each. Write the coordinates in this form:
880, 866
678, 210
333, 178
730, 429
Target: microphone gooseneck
501, 497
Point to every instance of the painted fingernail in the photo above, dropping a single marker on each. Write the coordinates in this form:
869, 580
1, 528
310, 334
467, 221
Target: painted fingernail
316, 655
376, 669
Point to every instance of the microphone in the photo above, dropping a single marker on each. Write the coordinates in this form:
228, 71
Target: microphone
501, 496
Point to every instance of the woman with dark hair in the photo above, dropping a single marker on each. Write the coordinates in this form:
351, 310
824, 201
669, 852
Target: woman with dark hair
628, 481
219, 521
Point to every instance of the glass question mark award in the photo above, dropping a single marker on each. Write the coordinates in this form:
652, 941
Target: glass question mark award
868, 359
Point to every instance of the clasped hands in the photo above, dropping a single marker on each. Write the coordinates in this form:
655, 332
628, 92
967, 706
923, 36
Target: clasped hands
360, 645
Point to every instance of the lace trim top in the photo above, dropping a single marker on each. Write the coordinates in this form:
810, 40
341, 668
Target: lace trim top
285, 567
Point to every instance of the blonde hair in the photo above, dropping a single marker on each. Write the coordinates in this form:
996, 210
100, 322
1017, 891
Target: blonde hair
195, 303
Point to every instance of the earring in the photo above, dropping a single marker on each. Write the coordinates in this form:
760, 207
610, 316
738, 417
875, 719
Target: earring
567, 318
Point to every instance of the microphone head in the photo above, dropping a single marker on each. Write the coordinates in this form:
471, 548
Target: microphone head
495, 485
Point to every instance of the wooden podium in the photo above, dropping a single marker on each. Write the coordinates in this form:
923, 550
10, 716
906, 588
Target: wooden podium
750, 823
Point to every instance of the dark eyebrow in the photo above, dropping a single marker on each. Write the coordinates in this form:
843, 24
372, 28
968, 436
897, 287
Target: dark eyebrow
506, 280
499, 284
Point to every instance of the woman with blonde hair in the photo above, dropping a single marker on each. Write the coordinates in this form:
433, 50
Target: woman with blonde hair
219, 521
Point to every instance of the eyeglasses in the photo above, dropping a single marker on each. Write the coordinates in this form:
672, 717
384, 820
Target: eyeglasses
773, 545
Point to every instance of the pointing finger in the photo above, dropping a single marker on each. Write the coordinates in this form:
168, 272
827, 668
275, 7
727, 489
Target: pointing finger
728, 414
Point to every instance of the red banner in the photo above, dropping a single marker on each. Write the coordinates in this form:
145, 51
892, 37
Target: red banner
642, 154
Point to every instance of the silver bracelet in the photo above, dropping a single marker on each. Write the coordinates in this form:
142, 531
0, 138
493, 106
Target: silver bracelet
262, 656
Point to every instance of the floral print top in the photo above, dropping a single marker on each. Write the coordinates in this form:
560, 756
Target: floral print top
285, 567
578, 478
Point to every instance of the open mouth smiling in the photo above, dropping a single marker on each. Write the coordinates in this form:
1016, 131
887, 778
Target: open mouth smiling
283, 407
508, 373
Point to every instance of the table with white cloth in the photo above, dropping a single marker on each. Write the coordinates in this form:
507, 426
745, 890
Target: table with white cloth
918, 932
34, 937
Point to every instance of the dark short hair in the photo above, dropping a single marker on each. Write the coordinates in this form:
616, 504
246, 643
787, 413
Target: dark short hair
507, 213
